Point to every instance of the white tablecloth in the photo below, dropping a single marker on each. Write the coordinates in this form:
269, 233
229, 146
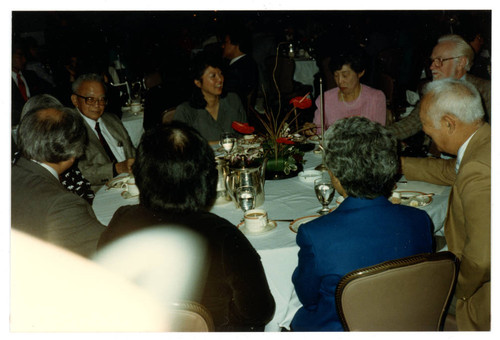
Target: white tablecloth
134, 125
305, 70
284, 199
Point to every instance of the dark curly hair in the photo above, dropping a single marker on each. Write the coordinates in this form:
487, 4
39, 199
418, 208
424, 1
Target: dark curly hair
175, 169
354, 57
200, 63
363, 156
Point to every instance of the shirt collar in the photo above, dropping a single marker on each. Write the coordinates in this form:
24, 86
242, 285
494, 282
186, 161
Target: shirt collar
49, 168
236, 59
461, 152
89, 121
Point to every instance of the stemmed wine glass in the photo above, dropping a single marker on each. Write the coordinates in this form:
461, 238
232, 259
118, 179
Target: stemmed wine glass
227, 141
246, 196
324, 192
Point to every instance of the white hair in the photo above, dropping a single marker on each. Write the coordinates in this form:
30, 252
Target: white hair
462, 48
454, 96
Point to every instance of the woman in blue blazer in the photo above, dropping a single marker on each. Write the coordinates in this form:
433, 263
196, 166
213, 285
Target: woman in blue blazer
364, 230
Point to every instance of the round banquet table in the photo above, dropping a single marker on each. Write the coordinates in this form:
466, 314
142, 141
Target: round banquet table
284, 199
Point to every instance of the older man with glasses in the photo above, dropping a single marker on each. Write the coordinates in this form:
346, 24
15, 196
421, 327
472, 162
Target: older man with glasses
110, 151
452, 57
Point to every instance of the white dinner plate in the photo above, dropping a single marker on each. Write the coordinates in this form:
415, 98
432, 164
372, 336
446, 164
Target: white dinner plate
269, 227
414, 198
294, 225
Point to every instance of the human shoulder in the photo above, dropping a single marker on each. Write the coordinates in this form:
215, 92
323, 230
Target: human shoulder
477, 81
372, 92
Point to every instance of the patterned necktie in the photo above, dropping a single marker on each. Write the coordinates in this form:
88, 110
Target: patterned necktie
105, 144
22, 86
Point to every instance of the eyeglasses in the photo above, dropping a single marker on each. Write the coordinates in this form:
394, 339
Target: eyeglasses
91, 100
439, 61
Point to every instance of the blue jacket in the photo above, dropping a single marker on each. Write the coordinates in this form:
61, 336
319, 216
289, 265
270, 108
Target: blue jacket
359, 233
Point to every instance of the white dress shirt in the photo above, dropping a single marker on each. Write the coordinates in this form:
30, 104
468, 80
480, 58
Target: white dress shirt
115, 147
49, 168
461, 152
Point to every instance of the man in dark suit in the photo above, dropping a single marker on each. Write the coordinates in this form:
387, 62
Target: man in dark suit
452, 57
25, 84
242, 74
110, 151
50, 139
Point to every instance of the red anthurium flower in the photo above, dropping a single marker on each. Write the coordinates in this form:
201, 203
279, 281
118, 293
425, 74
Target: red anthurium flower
301, 102
242, 127
284, 140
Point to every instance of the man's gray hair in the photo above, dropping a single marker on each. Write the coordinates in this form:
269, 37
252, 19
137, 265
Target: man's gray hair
453, 96
40, 101
52, 137
362, 154
86, 77
462, 48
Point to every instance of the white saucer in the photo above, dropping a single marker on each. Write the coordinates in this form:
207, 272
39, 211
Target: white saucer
269, 227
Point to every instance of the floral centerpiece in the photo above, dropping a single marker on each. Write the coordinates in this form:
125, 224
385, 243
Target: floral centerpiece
278, 145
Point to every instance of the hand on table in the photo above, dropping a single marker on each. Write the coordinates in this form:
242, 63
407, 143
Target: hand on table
309, 129
125, 166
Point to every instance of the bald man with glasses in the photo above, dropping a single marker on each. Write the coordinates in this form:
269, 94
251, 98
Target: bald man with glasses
452, 57
110, 151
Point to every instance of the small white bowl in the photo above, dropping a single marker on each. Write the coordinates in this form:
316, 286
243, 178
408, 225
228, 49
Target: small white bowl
308, 176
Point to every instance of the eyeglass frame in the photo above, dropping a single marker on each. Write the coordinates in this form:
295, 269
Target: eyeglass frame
441, 60
91, 100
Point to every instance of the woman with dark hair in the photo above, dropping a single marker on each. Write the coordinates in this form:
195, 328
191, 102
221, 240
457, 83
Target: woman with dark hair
176, 174
210, 110
365, 229
350, 97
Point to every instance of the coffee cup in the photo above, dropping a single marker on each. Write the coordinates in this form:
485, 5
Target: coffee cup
255, 220
130, 187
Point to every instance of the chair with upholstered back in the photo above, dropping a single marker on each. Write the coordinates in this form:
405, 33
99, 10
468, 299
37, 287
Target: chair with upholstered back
189, 316
408, 294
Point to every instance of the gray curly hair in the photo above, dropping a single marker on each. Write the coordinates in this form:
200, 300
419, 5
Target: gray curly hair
363, 156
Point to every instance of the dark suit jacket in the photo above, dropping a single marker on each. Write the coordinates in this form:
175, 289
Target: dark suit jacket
95, 164
242, 77
42, 207
36, 86
467, 227
236, 291
359, 233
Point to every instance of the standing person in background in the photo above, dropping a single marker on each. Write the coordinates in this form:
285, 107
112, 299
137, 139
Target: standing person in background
452, 115
25, 84
242, 74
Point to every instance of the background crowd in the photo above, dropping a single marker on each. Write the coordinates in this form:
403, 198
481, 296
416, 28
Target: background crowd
156, 48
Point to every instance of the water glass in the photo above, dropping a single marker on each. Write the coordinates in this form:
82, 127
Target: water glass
324, 192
